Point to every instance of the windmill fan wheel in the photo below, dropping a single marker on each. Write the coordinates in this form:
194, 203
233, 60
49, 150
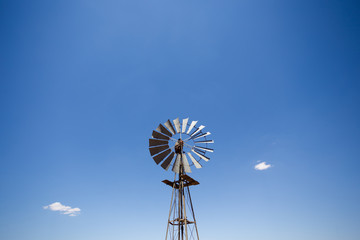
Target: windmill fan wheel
179, 140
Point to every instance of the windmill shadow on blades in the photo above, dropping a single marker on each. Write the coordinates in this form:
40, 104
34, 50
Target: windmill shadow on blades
179, 142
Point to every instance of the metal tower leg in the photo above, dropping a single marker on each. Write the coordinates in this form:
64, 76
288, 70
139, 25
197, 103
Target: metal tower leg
171, 206
193, 213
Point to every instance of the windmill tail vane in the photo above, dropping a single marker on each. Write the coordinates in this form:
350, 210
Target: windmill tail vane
170, 145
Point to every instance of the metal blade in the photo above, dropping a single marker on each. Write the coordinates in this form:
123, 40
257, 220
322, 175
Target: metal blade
177, 125
156, 150
198, 130
163, 130
195, 135
184, 124
196, 163
176, 167
205, 141
166, 164
206, 149
186, 164
170, 126
159, 135
200, 151
201, 135
200, 155
193, 123
157, 142
158, 158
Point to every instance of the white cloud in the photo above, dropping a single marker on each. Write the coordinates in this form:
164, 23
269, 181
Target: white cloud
57, 206
262, 166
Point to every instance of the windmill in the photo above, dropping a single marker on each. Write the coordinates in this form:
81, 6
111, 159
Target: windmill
172, 145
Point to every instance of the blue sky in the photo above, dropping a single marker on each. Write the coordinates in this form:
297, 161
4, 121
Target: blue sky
84, 83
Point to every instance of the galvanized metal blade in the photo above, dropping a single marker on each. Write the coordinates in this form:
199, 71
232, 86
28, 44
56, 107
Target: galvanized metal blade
166, 164
177, 125
158, 158
204, 148
163, 130
205, 141
200, 151
176, 167
195, 135
184, 124
200, 136
157, 142
200, 155
198, 130
196, 163
192, 125
170, 126
159, 135
156, 150
186, 164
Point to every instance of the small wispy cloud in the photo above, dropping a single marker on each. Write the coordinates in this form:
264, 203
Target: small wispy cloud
57, 206
262, 166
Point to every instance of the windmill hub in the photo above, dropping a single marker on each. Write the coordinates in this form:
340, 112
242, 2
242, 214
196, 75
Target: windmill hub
179, 146
163, 146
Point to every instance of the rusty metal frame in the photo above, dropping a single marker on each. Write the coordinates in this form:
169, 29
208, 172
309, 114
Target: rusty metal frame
177, 225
